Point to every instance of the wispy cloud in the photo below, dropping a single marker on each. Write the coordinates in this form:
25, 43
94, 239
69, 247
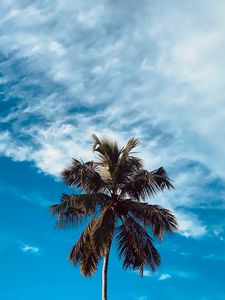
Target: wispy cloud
97, 71
156, 275
218, 256
189, 225
164, 276
173, 273
147, 273
36, 197
29, 249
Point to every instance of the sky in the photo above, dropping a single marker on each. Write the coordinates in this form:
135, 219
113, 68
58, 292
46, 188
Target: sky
149, 69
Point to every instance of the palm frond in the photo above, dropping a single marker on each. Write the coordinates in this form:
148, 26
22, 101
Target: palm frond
127, 164
73, 208
135, 247
94, 242
131, 144
126, 167
84, 253
159, 219
96, 142
89, 262
103, 231
144, 184
161, 178
108, 152
84, 176
67, 211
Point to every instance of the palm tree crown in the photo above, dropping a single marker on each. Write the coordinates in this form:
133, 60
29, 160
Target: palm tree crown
113, 190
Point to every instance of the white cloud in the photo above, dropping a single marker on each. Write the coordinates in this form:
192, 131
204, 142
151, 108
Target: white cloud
189, 225
147, 273
87, 68
176, 273
30, 249
219, 233
91, 17
164, 276
10, 147
57, 48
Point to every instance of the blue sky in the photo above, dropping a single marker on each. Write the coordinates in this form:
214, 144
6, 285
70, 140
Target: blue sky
151, 69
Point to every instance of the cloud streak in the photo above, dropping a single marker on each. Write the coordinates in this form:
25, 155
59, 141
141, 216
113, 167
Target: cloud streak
30, 249
73, 69
164, 277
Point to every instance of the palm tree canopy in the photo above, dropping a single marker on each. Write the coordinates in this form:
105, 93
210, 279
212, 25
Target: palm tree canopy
114, 188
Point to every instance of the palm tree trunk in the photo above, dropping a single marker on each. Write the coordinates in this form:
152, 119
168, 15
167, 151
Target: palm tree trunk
104, 275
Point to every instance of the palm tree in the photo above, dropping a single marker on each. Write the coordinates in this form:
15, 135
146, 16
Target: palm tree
113, 189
